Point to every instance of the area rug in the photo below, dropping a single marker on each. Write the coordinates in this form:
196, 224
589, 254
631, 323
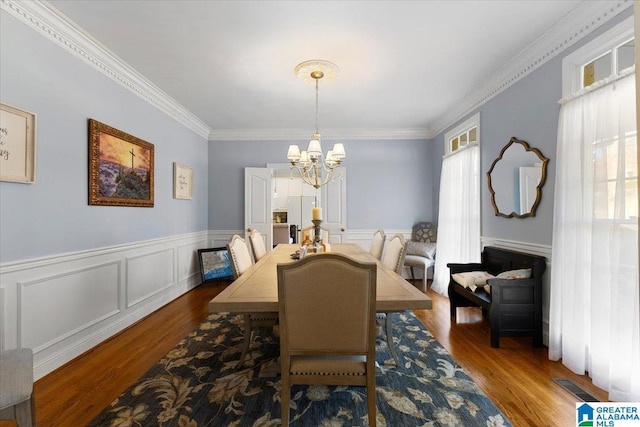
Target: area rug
196, 384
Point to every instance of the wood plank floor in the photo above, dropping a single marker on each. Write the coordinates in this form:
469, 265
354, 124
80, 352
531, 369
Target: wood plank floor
517, 377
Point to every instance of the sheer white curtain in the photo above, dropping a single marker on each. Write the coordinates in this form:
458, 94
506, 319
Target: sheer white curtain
594, 322
459, 215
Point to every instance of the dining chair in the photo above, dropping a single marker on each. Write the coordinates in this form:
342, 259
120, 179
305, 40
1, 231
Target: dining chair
16, 390
393, 258
257, 245
377, 244
240, 262
327, 306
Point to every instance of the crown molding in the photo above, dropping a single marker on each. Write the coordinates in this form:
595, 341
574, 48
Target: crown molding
327, 134
48, 21
566, 32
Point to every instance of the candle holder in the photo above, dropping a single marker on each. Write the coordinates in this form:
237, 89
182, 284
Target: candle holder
317, 239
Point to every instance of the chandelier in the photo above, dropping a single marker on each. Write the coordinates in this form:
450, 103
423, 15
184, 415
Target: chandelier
315, 168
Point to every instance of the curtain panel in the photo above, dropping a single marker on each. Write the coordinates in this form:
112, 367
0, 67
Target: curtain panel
594, 324
459, 214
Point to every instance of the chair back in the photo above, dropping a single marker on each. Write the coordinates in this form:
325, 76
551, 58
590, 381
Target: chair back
377, 244
424, 232
393, 257
239, 254
327, 306
257, 245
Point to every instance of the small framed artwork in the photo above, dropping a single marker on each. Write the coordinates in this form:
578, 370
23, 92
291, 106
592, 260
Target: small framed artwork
182, 181
215, 264
120, 168
17, 145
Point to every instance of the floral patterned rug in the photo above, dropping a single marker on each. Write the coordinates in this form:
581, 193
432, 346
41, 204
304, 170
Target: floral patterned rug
196, 384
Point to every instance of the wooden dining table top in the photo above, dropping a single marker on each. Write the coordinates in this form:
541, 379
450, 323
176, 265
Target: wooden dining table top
256, 290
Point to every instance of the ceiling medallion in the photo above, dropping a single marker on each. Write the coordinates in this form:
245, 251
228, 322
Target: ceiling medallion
310, 71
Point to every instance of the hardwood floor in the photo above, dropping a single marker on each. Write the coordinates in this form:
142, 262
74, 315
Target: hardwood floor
517, 377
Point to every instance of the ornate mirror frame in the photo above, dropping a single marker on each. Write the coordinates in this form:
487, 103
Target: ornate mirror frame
544, 160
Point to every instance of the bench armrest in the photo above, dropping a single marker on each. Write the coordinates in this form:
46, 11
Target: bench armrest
463, 268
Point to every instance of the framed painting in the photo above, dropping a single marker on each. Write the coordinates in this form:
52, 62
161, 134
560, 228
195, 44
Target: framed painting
17, 145
182, 181
215, 264
120, 168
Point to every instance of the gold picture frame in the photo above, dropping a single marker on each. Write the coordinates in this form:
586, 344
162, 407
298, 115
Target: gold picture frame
17, 145
120, 168
182, 181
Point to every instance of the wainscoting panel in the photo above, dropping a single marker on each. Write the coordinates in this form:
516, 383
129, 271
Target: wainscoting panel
64, 297
148, 275
188, 264
63, 305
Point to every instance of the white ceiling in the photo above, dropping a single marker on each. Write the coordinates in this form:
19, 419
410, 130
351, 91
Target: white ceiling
403, 64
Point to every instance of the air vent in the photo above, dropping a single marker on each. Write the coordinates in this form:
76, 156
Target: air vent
576, 390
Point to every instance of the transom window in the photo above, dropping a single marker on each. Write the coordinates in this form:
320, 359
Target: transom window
464, 135
609, 64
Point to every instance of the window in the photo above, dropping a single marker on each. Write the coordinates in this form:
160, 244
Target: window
594, 311
459, 213
609, 64
614, 156
600, 59
616, 166
463, 135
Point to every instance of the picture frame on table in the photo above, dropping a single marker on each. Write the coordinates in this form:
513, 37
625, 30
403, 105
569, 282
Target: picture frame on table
182, 181
215, 264
17, 145
121, 168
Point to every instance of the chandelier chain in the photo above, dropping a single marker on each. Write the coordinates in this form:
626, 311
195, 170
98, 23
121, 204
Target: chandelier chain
317, 105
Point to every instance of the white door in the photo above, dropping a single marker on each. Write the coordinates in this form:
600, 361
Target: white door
334, 205
529, 180
257, 203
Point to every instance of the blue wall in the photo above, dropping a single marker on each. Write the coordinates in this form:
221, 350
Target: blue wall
528, 110
52, 215
389, 183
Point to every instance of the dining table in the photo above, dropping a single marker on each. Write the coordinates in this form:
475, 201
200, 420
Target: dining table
256, 290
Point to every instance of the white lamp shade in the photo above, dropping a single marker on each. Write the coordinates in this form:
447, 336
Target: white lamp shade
338, 151
330, 159
304, 157
293, 153
314, 149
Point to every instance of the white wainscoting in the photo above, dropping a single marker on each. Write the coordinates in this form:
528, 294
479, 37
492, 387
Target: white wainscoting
63, 305
534, 249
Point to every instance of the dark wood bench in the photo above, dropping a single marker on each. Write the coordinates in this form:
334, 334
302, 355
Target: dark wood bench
514, 306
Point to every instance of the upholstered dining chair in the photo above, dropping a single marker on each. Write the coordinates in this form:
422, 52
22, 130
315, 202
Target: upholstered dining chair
327, 306
377, 244
257, 245
240, 262
16, 387
393, 259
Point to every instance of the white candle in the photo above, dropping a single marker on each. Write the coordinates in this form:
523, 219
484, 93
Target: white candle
316, 213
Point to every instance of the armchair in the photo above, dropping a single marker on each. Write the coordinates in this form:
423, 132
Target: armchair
421, 251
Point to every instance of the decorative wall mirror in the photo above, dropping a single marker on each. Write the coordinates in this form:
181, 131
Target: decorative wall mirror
516, 178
